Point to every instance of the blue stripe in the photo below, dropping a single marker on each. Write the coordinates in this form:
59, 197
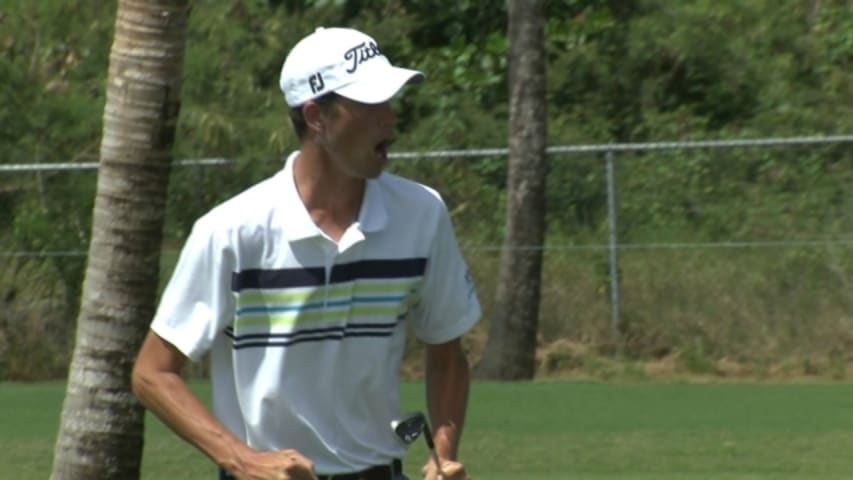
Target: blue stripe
286, 308
385, 299
319, 305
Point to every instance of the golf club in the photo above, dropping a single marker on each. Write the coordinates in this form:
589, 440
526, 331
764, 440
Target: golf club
410, 427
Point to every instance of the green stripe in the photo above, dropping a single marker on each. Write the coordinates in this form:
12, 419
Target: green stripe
315, 295
277, 297
291, 319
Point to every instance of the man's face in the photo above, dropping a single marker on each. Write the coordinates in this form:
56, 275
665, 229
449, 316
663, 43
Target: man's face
357, 135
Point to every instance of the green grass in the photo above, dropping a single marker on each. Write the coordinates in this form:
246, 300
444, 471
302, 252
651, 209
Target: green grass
553, 430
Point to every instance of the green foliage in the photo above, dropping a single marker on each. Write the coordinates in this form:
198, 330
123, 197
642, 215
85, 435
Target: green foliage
53, 58
618, 71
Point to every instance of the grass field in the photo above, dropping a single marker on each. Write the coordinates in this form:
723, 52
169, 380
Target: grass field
551, 431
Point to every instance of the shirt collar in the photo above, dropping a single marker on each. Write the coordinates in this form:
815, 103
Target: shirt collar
373, 215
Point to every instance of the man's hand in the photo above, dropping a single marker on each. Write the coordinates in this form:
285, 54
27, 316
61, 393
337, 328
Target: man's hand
279, 465
449, 471
447, 385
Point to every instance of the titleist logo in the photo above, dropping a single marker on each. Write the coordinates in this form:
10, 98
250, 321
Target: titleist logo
361, 53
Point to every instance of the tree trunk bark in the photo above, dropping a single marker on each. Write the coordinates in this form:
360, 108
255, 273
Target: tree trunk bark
511, 348
101, 430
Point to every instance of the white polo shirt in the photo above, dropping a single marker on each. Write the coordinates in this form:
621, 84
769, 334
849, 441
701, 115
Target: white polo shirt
306, 335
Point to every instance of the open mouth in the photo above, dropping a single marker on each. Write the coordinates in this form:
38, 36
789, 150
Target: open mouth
382, 148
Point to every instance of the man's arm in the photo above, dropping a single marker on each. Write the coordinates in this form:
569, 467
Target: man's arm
447, 384
158, 385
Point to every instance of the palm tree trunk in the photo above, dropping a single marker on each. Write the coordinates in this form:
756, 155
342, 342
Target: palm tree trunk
510, 352
101, 430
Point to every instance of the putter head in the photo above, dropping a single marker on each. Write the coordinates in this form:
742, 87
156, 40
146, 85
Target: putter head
410, 427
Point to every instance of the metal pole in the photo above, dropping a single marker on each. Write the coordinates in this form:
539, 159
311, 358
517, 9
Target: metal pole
199, 177
612, 246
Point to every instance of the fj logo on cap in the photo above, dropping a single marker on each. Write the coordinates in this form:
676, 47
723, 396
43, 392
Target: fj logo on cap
361, 53
316, 82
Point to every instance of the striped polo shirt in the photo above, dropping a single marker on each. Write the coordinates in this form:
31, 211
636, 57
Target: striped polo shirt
305, 334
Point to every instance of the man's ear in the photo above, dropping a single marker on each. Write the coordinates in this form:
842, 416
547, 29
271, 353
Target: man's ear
313, 115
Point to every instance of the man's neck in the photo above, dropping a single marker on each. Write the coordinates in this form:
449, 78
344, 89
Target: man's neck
332, 198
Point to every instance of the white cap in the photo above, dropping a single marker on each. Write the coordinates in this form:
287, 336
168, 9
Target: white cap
343, 61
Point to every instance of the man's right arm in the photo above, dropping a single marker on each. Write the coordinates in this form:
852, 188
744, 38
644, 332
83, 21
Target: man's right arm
158, 385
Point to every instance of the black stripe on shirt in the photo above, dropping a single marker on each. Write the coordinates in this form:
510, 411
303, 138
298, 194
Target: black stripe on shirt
401, 268
281, 278
253, 340
316, 276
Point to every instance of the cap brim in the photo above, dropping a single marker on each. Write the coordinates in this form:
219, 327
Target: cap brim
381, 87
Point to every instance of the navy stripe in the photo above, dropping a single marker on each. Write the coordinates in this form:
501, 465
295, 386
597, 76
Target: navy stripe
378, 330
402, 268
316, 276
287, 343
281, 278
310, 331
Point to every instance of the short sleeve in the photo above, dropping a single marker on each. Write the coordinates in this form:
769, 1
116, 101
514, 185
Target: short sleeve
197, 303
448, 305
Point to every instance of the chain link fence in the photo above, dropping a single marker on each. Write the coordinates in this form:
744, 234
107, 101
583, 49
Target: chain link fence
720, 255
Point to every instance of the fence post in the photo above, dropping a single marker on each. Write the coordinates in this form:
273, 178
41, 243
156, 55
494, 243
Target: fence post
612, 242
199, 197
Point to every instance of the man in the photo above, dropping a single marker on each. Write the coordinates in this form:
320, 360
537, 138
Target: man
302, 289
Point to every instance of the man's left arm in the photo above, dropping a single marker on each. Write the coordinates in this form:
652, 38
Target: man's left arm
447, 384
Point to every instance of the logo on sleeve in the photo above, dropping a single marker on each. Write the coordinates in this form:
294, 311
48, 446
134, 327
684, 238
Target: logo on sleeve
469, 281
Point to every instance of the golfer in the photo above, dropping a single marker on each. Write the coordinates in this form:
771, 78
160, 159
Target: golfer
302, 289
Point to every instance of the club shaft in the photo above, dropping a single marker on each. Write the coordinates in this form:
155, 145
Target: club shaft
428, 436
431, 446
